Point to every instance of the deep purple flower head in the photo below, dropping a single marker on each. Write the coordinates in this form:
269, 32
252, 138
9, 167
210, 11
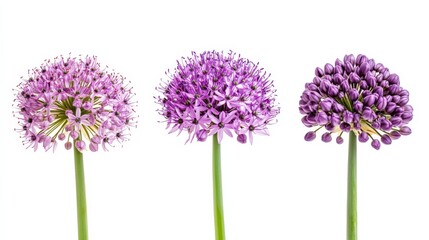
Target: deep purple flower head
213, 92
70, 99
358, 95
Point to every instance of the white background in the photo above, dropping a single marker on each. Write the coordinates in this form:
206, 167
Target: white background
155, 187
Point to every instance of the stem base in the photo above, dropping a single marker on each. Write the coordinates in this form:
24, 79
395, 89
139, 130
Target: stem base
82, 222
352, 189
217, 191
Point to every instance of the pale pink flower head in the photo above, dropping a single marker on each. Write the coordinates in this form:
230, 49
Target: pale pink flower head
74, 100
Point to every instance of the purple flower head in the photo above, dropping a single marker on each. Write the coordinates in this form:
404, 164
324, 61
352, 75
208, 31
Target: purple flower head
358, 95
73, 99
216, 93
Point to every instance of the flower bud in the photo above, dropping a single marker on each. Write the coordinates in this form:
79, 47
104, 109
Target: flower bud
338, 69
394, 89
74, 134
353, 94
347, 116
385, 124
326, 137
396, 121
368, 114
386, 139
350, 58
61, 136
329, 69
345, 127
319, 72
381, 103
354, 78
361, 59
333, 91
378, 90
395, 135
363, 85
348, 68
202, 135
87, 105
407, 117
338, 108
80, 145
242, 138
345, 86
339, 140
321, 118
405, 130
310, 136
370, 79
338, 63
403, 101
375, 144
363, 69
393, 78
369, 100
326, 105
338, 78
363, 137
378, 67
68, 145
93, 147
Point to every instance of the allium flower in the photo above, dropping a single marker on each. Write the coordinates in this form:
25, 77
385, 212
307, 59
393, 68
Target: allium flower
359, 95
74, 99
212, 94
216, 93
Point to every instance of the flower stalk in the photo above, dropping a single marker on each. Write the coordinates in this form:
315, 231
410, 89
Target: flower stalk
74, 102
352, 189
218, 94
217, 191
359, 97
82, 222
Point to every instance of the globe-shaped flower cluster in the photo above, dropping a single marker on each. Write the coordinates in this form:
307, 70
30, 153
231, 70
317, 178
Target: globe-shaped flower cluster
75, 101
359, 95
216, 93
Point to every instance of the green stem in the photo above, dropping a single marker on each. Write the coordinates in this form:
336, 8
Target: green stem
82, 222
351, 190
217, 191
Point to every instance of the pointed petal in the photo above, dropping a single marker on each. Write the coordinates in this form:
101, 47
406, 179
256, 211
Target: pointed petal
78, 112
219, 136
214, 119
230, 117
227, 131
